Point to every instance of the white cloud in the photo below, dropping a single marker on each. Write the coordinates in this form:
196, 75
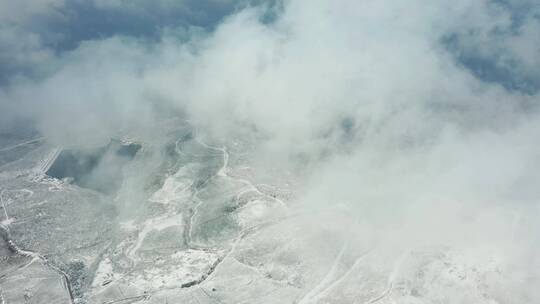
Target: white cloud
390, 125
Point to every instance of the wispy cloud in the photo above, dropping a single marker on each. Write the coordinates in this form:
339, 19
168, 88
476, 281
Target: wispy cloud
421, 115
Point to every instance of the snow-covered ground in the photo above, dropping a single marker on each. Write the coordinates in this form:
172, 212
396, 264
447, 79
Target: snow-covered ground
210, 233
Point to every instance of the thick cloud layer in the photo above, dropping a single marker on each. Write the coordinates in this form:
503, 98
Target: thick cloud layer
418, 118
